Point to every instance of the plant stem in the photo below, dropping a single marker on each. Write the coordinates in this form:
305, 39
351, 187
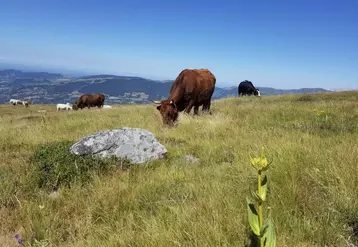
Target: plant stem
260, 206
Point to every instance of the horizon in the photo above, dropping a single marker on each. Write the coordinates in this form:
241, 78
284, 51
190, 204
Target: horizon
79, 74
278, 44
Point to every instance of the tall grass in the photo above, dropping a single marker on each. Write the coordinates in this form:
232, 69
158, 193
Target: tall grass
171, 202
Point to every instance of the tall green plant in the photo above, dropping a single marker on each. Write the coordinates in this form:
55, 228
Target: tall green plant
264, 231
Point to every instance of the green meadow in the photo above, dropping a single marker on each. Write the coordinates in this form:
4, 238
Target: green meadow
311, 139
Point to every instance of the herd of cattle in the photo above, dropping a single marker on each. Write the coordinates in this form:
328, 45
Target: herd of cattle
20, 102
191, 88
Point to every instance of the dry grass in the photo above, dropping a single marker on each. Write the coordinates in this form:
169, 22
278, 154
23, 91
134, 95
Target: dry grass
173, 203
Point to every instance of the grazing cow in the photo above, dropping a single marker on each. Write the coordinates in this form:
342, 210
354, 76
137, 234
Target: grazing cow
247, 88
66, 107
192, 88
89, 100
26, 103
15, 102
19, 102
107, 106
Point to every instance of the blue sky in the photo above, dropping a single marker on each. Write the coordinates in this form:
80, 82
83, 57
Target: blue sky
277, 43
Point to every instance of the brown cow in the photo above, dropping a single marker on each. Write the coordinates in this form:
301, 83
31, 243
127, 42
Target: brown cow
89, 100
192, 88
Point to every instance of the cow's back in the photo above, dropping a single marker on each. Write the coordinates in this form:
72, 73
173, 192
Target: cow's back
194, 81
205, 86
192, 84
92, 98
205, 80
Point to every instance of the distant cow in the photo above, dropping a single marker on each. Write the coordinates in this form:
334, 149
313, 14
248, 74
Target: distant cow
192, 88
19, 102
247, 88
89, 100
66, 107
107, 106
15, 102
26, 103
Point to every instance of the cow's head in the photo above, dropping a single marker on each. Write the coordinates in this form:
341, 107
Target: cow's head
75, 106
257, 92
168, 110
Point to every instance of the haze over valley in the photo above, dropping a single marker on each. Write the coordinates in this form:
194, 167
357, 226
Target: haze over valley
52, 88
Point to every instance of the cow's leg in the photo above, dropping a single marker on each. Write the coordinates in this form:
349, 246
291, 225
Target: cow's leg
206, 107
190, 105
196, 110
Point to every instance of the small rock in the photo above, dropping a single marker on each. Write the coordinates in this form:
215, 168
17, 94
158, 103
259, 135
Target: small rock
134, 144
191, 159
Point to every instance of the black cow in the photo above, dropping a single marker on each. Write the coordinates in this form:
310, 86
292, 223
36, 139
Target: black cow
247, 88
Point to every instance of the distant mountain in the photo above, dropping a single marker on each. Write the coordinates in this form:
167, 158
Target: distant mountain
51, 88
232, 91
34, 68
18, 74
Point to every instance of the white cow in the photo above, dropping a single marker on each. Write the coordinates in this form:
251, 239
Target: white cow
26, 103
107, 106
67, 107
15, 102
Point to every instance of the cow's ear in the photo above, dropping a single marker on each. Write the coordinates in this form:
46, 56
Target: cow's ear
158, 107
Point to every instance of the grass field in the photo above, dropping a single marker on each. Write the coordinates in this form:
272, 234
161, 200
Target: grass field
312, 140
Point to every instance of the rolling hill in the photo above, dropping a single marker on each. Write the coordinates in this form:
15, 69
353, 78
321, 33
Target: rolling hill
51, 88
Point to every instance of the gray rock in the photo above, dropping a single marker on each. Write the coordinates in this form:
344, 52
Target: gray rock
136, 145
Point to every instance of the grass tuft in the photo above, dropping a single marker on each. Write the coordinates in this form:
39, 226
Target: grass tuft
55, 166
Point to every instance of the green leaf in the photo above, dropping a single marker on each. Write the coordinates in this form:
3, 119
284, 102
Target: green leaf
270, 234
255, 196
264, 189
253, 217
260, 198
